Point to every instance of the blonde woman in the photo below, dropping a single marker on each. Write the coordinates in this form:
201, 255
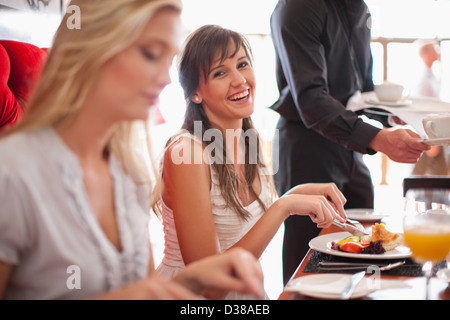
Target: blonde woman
75, 199
217, 190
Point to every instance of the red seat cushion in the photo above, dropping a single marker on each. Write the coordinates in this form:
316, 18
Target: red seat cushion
20, 67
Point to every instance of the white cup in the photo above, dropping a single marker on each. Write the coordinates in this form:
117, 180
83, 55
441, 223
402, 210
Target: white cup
437, 126
388, 91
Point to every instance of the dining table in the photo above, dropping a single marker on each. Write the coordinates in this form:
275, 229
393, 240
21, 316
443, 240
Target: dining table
405, 282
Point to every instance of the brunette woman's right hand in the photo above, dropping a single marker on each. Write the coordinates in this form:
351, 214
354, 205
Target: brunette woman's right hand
317, 207
329, 190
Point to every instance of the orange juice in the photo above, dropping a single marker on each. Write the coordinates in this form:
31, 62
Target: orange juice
428, 242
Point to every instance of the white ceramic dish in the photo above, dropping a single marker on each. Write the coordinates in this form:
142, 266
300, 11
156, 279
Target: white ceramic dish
323, 244
436, 142
328, 286
331, 285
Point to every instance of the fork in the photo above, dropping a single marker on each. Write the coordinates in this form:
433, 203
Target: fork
357, 224
392, 266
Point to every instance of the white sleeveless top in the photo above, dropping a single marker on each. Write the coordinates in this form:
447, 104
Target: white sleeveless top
229, 225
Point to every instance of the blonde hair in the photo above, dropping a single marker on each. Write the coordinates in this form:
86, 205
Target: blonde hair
75, 59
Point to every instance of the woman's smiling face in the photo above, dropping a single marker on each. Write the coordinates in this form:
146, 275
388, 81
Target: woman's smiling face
227, 91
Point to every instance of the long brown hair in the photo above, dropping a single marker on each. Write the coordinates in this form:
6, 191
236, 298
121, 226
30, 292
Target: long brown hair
199, 53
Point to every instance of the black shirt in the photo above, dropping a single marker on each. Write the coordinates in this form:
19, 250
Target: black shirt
323, 57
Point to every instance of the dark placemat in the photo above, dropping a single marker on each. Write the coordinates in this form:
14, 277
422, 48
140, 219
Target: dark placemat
409, 269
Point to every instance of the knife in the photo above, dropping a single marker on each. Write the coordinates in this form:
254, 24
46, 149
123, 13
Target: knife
336, 266
349, 228
353, 264
354, 280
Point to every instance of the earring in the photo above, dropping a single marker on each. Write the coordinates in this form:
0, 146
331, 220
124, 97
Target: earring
196, 99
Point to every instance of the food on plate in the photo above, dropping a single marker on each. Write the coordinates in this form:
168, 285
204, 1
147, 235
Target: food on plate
388, 239
374, 247
355, 244
352, 244
379, 242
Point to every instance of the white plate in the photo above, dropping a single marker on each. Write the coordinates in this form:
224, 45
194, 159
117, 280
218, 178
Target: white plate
323, 244
400, 103
444, 274
436, 141
365, 215
328, 286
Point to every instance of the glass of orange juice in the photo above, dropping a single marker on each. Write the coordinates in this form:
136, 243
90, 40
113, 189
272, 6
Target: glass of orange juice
428, 237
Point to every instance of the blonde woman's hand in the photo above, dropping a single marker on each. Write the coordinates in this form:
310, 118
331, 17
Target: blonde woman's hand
329, 190
234, 270
154, 287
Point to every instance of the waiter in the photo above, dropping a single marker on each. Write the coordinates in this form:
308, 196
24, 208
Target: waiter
323, 58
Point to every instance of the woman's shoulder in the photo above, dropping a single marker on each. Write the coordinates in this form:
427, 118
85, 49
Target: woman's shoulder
31, 151
183, 164
19, 165
16, 147
184, 148
8, 140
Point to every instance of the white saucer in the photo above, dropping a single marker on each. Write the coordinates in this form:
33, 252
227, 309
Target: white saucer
366, 215
399, 103
328, 286
331, 285
436, 141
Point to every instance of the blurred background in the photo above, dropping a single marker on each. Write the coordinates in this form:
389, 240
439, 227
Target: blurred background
396, 27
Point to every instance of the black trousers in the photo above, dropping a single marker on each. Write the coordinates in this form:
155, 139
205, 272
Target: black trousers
301, 155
